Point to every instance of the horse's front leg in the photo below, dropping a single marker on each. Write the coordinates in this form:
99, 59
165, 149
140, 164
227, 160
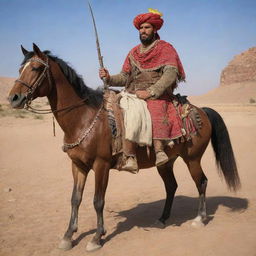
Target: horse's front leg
79, 176
101, 168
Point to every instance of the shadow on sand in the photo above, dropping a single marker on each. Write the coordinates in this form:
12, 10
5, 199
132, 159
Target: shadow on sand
184, 209
76, 241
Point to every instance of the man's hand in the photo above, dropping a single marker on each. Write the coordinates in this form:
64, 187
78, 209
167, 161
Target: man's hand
143, 94
104, 73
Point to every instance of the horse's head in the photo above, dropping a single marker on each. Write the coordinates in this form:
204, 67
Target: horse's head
34, 80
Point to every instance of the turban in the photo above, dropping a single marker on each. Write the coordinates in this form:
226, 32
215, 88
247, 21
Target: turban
152, 18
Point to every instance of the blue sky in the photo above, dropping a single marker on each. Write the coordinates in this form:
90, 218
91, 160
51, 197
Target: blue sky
206, 34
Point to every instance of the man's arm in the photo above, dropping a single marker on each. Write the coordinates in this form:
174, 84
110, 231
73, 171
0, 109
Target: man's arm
115, 80
118, 80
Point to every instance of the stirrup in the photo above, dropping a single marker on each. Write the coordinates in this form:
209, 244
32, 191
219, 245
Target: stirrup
130, 165
161, 158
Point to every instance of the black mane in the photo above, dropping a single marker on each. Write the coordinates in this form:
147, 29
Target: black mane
93, 97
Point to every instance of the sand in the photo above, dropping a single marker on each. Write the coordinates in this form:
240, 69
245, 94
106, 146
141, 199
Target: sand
36, 184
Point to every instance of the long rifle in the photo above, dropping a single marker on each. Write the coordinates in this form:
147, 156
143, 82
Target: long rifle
100, 57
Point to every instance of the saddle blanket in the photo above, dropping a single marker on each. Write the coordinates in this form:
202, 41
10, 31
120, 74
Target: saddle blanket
170, 118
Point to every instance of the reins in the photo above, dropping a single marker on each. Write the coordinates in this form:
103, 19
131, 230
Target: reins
50, 111
37, 84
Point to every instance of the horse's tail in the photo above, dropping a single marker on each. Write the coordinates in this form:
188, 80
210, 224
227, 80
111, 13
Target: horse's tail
222, 147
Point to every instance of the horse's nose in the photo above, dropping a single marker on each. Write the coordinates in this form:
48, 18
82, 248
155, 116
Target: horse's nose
17, 100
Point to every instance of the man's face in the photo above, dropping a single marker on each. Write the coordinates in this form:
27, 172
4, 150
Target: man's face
147, 33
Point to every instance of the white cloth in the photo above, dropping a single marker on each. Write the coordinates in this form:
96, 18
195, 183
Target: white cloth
137, 120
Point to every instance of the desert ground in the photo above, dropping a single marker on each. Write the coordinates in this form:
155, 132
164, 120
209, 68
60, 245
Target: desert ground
36, 185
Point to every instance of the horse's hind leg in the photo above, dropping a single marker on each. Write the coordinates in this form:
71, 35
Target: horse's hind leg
201, 184
167, 175
79, 182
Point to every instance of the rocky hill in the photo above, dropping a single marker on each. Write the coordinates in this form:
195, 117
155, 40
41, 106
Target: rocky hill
237, 82
242, 68
5, 86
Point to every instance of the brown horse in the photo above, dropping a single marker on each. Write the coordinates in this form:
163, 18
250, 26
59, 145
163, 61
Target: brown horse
79, 112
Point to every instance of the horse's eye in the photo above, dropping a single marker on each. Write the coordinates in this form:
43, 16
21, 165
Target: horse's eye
36, 69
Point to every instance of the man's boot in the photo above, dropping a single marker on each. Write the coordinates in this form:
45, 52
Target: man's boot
161, 157
130, 159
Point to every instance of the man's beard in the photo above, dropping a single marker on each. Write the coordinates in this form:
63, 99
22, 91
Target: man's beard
148, 40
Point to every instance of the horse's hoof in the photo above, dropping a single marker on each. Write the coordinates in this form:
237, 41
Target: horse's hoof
198, 222
65, 245
92, 246
158, 224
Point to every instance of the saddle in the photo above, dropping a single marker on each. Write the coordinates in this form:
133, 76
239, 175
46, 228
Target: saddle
115, 119
188, 117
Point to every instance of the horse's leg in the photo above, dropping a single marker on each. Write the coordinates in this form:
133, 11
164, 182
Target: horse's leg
201, 184
101, 168
166, 173
79, 182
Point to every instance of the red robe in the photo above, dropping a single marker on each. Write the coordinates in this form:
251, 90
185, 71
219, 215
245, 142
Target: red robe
166, 122
160, 55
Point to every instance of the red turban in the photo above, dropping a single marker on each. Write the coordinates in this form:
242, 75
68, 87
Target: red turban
154, 19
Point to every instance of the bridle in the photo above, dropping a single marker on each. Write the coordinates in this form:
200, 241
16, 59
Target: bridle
29, 97
32, 88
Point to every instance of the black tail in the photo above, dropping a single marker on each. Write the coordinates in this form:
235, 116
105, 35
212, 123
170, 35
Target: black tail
222, 147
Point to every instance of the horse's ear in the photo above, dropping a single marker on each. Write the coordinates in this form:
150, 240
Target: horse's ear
24, 51
37, 51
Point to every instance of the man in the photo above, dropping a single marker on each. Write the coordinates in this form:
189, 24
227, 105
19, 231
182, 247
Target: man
151, 71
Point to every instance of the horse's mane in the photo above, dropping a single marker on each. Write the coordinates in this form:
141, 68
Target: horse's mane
93, 97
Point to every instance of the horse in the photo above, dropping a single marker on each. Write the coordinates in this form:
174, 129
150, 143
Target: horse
80, 112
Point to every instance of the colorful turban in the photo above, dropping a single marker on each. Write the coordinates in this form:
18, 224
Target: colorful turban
152, 18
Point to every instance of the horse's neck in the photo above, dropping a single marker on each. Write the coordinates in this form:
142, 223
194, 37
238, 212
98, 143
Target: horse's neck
63, 96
